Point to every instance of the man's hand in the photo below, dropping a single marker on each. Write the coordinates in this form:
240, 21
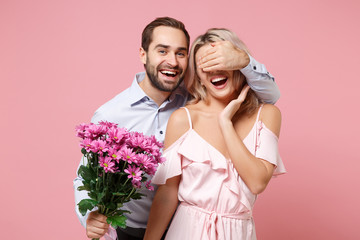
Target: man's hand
223, 56
96, 225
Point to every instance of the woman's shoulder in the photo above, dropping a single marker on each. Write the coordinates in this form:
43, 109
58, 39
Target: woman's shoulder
270, 110
270, 115
177, 126
179, 117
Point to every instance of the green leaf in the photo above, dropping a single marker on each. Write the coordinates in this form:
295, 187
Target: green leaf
93, 195
117, 221
86, 204
83, 151
111, 205
120, 205
137, 195
119, 194
121, 212
100, 196
92, 184
85, 187
86, 173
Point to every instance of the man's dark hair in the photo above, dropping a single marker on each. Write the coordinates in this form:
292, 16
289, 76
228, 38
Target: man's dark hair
146, 38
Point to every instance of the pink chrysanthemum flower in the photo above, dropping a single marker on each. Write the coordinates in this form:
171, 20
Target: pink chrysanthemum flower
149, 186
134, 173
156, 142
137, 140
94, 131
98, 146
151, 170
115, 154
161, 159
116, 134
80, 130
153, 149
128, 155
86, 143
146, 163
136, 183
108, 124
107, 164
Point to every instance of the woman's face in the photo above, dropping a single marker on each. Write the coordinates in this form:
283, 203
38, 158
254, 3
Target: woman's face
218, 84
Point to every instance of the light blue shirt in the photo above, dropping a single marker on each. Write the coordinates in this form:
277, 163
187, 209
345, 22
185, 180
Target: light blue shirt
261, 81
134, 110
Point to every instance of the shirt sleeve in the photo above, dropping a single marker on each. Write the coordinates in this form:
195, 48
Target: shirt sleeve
80, 195
77, 182
267, 148
261, 81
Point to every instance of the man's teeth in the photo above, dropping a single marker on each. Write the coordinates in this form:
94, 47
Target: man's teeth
168, 73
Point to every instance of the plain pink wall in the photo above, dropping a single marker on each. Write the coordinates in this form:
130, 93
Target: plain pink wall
60, 60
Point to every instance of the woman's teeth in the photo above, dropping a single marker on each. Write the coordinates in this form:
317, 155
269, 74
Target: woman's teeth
219, 81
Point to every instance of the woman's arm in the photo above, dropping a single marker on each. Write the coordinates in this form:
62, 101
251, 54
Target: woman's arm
166, 198
162, 209
255, 172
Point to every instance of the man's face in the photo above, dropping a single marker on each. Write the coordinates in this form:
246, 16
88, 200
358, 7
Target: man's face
166, 59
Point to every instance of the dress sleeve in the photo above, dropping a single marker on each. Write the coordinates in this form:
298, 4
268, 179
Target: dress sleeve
171, 167
267, 148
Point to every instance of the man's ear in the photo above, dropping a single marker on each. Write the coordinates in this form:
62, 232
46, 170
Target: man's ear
143, 55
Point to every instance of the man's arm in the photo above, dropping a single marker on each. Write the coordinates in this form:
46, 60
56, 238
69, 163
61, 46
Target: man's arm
261, 81
80, 195
225, 56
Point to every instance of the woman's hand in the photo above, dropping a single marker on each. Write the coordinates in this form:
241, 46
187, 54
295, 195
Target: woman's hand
229, 111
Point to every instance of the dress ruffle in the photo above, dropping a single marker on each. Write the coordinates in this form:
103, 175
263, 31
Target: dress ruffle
172, 166
181, 154
267, 149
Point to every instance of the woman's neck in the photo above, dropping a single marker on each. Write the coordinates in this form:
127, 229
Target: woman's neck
215, 105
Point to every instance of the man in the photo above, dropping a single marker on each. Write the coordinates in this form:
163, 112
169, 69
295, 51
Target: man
147, 105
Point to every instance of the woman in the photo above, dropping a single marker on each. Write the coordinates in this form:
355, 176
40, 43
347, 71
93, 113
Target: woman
221, 151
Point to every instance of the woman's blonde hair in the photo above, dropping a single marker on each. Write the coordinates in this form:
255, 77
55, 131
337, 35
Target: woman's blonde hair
192, 81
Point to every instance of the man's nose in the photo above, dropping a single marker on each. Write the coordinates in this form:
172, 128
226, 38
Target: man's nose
171, 59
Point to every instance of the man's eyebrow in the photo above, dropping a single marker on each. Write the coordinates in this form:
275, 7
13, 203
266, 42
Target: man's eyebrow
167, 47
182, 49
162, 46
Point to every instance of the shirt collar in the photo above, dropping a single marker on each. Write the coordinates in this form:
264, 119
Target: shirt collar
137, 94
179, 91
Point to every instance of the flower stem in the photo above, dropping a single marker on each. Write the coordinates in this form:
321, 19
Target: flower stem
131, 193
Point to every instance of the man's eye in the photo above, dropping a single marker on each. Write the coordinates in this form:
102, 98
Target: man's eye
162, 51
181, 54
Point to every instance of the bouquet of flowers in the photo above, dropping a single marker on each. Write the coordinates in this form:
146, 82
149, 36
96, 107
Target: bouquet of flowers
118, 163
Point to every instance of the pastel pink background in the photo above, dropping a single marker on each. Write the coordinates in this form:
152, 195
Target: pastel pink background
60, 60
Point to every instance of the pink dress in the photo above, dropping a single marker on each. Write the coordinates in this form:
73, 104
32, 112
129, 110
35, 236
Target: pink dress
214, 201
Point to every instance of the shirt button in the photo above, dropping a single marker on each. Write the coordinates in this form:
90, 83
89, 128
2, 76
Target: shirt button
161, 132
254, 67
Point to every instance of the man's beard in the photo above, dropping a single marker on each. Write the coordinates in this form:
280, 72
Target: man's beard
158, 84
